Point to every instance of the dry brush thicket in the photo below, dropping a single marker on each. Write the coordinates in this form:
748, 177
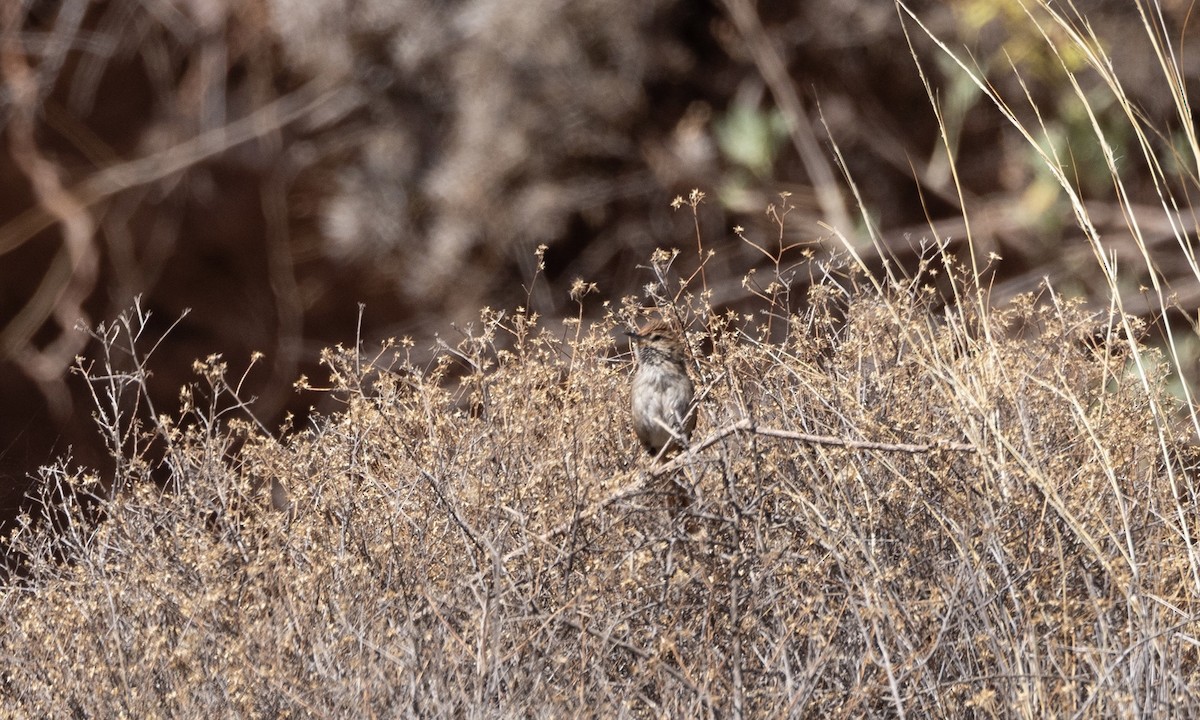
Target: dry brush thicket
1005, 531
266, 161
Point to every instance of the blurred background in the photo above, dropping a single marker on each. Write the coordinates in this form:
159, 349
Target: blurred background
271, 164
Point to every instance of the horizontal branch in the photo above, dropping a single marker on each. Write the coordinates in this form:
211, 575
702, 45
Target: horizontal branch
746, 426
741, 426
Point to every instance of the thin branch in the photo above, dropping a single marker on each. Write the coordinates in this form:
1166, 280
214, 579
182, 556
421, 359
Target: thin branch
745, 425
637, 487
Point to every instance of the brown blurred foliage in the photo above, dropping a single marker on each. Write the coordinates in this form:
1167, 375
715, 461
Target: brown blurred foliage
270, 164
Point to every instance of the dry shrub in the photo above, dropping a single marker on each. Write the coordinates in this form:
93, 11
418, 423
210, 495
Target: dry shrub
974, 515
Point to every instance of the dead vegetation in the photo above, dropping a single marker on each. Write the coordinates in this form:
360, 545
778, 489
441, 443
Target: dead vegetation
914, 489
1005, 531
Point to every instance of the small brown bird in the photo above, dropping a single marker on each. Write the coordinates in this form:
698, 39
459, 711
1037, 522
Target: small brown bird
662, 392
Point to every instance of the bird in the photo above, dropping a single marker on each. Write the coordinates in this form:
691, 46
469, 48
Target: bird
661, 394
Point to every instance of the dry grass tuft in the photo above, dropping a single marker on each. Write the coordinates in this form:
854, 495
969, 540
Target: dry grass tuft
1005, 530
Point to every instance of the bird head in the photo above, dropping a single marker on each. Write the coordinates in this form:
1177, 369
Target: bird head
657, 339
